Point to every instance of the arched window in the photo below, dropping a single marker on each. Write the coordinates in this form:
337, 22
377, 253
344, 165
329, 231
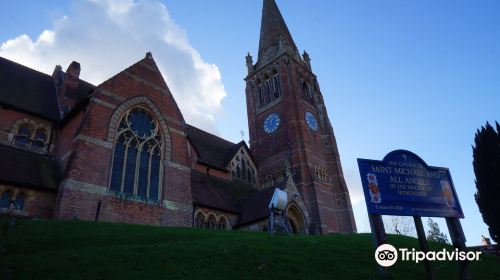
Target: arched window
211, 222
137, 159
28, 134
199, 220
222, 223
5, 200
19, 202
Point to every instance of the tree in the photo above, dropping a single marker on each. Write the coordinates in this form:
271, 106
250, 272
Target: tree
486, 164
402, 225
434, 233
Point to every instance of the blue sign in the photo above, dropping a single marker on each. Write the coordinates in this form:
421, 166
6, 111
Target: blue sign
402, 184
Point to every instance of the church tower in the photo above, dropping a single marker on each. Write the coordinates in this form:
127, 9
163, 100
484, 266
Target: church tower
290, 130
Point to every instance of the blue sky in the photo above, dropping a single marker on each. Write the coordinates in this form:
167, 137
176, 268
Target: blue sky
415, 75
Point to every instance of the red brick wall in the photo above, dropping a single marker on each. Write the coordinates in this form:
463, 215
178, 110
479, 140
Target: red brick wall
294, 141
88, 173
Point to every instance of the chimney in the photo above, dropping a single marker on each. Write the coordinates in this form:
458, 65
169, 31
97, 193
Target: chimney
72, 77
66, 82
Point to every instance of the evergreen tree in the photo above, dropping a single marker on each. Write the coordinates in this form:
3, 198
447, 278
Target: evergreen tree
434, 233
486, 163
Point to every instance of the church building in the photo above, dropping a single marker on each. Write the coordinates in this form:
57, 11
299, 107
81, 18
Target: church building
121, 151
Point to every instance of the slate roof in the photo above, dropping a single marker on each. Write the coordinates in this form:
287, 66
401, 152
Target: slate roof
274, 33
25, 168
212, 150
33, 92
235, 196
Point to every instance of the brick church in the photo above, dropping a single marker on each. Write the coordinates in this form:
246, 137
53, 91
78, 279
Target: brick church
121, 151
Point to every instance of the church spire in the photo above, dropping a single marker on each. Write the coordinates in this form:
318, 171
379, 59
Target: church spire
274, 34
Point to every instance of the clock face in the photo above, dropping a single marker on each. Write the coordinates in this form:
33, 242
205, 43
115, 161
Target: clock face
271, 123
311, 121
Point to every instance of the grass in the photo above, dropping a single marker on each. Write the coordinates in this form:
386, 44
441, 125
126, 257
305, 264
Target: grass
88, 250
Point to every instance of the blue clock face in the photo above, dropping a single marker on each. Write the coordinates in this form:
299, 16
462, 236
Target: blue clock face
311, 121
271, 123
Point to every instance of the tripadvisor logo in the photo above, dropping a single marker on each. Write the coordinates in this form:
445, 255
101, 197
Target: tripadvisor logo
386, 255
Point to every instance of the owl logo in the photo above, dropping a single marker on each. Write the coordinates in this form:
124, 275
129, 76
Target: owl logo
373, 188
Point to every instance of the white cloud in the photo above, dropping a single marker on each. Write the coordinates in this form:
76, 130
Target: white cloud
107, 36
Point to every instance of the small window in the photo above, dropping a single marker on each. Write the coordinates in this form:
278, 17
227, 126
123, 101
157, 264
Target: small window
19, 202
199, 220
31, 136
5, 200
211, 223
222, 223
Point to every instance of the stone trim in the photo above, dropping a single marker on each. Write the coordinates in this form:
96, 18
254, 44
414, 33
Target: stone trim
110, 94
94, 141
83, 186
145, 65
177, 166
172, 205
100, 190
104, 103
131, 103
182, 133
148, 83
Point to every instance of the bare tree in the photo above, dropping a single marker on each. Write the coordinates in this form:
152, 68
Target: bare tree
401, 225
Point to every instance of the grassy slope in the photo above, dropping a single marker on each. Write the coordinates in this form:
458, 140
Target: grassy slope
87, 250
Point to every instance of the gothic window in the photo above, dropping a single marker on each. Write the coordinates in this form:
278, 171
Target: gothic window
211, 222
222, 223
5, 200
268, 91
29, 135
19, 202
276, 85
137, 159
307, 93
199, 220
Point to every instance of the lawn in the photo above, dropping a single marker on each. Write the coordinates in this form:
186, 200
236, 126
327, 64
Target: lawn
90, 250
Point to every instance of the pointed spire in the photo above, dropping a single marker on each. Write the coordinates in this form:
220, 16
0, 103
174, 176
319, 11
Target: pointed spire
274, 33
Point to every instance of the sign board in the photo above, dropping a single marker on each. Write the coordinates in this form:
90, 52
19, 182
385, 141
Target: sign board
402, 184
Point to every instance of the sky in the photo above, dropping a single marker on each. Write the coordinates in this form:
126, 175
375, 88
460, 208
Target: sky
416, 75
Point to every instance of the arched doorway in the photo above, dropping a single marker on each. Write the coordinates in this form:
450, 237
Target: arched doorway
295, 219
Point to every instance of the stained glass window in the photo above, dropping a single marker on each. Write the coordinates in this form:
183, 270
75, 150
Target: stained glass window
137, 155
5, 200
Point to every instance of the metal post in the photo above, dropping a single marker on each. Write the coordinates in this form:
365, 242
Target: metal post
271, 227
458, 240
423, 245
378, 236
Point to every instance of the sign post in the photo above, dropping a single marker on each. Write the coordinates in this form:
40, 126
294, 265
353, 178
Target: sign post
402, 184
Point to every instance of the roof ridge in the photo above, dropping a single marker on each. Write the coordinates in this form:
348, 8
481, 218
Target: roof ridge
204, 131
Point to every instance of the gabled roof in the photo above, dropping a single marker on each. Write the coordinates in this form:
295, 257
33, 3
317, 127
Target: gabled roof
25, 168
235, 196
213, 150
33, 92
255, 207
214, 192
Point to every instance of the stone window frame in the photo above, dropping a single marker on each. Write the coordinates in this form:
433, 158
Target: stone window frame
236, 164
14, 194
35, 128
114, 123
217, 219
268, 90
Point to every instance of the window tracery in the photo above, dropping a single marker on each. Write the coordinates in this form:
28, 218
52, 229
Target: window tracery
137, 160
269, 90
242, 167
31, 135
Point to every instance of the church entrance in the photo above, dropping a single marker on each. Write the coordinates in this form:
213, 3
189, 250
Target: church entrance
296, 222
